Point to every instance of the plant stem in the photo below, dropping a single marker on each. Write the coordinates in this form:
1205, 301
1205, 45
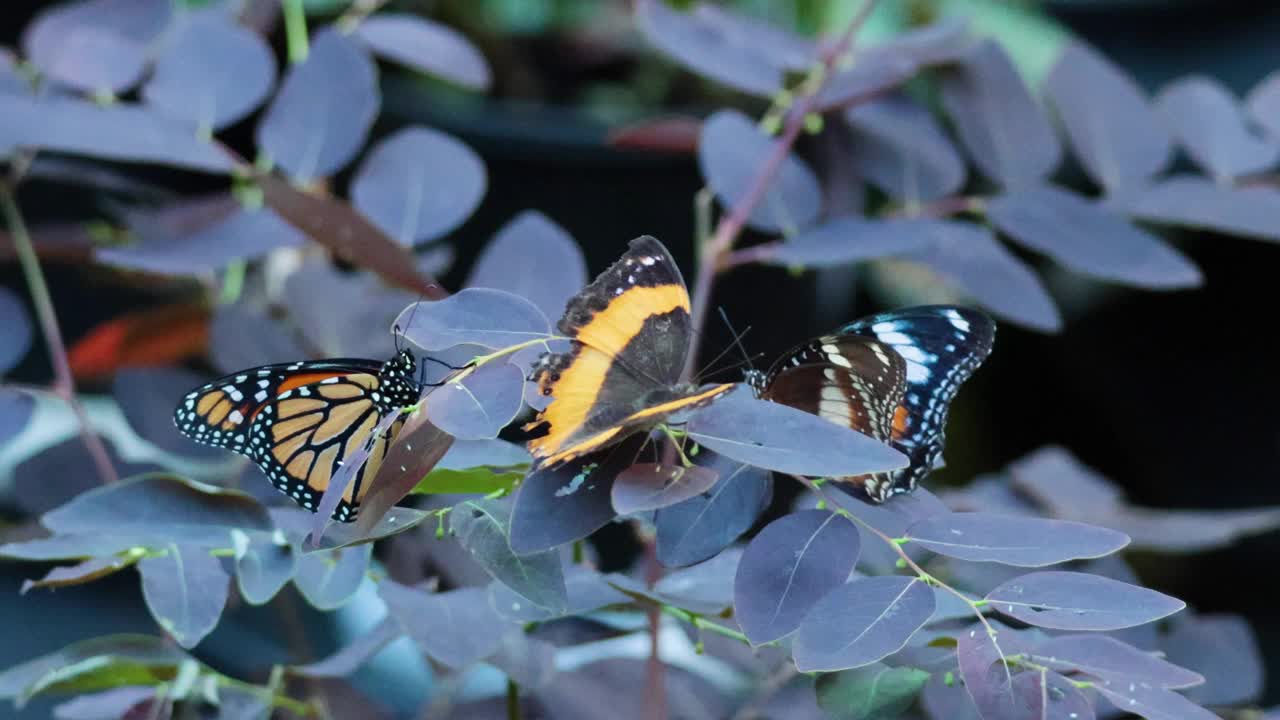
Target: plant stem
295, 30
64, 384
513, 700
702, 623
712, 254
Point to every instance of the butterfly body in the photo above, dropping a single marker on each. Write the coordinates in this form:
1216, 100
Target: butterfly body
299, 421
630, 334
891, 376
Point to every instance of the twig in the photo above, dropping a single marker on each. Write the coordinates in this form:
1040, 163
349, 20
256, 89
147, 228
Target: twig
64, 384
513, 700
712, 256
295, 30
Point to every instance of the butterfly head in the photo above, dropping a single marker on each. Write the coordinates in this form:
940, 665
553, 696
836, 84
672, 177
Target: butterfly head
757, 380
398, 381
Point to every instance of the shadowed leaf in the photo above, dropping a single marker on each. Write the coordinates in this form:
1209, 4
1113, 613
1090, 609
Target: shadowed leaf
1090, 239
483, 528
241, 336
263, 566
146, 396
15, 411
648, 486
782, 438
185, 590
883, 66
1222, 648
846, 240
1263, 104
88, 58
121, 131
874, 692
350, 657
1006, 133
475, 316
528, 661
95, 664
328, 580
861, 622
456, 628
213, 73
788, 568
1197, 202
480, 405
426, 46
585, 588
700, 527
731, 152
419, 184
1151, 702
705, 588
1209, 122
87, 571
337, 82
119, 702
1115, 134
417, 449
15, 331
1079, 601
1110, 659
533, 257
1021, 541
899, 147
1049, 696
987, 680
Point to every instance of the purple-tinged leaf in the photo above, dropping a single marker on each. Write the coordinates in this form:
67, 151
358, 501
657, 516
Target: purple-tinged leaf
16, 408
185, 590
74, 546
782, 438
700, 527
263, 566
419, 184
1113, 130
335, 225
164, 506
417, 449
1046, 695
318, 297
1144, 637
847, 240
533, 257
1263, 104
15, 331
297, 523
112, 704
1149, 702
474, 316
648, 486
970, 258
874, 692
1110, 659
147, 658
328, 580
788, 567
884, 66
1225, 651
1207, 120
1186, 531
944, 698
990, 492
861, 622
183, 240
732, 151
705, 588
1006, 133
212, 74
427, 46
91, 59
528, 661
350, 657
466, 454
85, 572
730, 50
891, 518
11, 80
1057, 480
140, 21
586, 590
987, 680
146, 396
76, 470
899, 148
123, 132
1193, 201
243, 336
1010, 540
483, 528
480, 405
318, 120
1078, 601
1090, 239
569, 502
456, 628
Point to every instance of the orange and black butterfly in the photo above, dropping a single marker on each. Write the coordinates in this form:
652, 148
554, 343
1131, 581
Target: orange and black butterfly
630, 331
299, 421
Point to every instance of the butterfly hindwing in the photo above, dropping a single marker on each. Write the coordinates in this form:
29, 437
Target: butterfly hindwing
630, 335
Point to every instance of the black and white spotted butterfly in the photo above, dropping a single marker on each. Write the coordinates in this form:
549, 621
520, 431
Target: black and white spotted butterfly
891, 376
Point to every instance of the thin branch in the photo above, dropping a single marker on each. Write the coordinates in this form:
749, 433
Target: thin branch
712, 255
64, 385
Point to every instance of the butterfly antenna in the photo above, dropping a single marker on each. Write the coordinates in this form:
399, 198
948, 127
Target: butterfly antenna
737, 342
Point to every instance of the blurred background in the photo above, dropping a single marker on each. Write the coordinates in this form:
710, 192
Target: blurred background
1170, 395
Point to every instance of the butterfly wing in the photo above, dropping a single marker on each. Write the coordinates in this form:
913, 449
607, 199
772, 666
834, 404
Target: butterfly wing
850, 380
301, 439
942, 346
630, 331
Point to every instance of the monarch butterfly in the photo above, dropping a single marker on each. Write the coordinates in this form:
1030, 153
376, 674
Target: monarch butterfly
299, 421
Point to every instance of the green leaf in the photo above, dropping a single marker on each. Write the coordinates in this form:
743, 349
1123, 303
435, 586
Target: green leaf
874, 692
96, 664
471, 481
